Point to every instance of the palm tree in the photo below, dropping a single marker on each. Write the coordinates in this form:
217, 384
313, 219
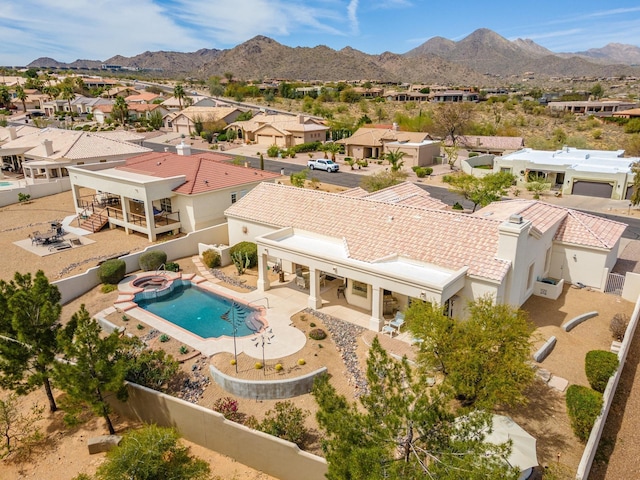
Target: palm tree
394, 157
332, 148
5, 97
22, 96
68, 94
178, 92
120, 111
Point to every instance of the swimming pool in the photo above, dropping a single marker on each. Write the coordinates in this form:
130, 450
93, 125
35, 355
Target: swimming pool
200, 311
6, 184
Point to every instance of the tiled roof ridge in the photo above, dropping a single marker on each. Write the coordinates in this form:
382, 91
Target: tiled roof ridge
576, 216
452, 214
73, 144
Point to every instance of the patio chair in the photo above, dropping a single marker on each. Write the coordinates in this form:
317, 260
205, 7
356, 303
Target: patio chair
389, 330
398, 321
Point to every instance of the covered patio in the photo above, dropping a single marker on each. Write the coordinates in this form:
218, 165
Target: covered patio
381, 287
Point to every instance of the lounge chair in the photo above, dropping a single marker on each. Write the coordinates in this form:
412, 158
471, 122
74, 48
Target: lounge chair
389, 330
398, 321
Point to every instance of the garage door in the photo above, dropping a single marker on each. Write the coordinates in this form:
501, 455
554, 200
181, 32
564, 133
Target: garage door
592, 189
629, 192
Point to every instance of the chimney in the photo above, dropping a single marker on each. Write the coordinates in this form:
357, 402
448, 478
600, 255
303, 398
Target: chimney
394, 127
12, 133
514, 247
48, 147
300, 118
183, 149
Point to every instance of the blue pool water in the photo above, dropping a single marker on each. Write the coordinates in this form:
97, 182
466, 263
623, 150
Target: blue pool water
5, 184
200, 311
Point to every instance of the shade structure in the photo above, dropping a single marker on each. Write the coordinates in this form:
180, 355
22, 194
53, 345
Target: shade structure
523, 450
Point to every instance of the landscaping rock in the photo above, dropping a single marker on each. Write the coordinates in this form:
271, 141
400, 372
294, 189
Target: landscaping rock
103, 443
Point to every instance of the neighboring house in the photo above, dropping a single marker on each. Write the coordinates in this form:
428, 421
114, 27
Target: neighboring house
136, 111
372, 142
406, 96
282, 130
372, 92
454, 96
8, 134
34, 99
595, 173
493, 145
173, 104
160, 192
631, 113
143, 98
388, 254
120, 92
184, 120
50, 107
598, 108
45, 155
82, 104
97, 82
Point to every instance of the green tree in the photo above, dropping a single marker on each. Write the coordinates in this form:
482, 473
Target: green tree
67, 93
22, 96
480, 190
635, 194
298, 179
451, 119
155, 119
93, 364
120, 111
394, 157
403, 430
152, 453
484, 358
179, 93
597, 91
29, 323
5, 97
382, 179
349, 95
216, 89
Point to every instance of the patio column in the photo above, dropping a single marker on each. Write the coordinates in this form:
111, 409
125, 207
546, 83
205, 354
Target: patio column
377, 320
125, 213
151, 223
315, 301
263, 277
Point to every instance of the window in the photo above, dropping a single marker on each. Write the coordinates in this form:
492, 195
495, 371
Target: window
530, 279
165, 204
234, 197
359, 288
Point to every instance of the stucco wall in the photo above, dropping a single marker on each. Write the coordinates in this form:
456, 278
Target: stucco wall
39, 190
253, 230
276, 457
73, 287
587, 267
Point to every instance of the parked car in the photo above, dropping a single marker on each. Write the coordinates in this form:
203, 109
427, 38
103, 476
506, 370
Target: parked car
36, 113
322, 164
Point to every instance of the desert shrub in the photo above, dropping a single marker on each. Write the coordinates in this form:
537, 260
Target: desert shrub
108, 288
150, 368
301, 361
632, 126
183, 350
258, 366
172, 267
618, 326
273, 151
305, 147
286, 421
278, 367
211, 258
112, 271
222, 137
457, 206
422, 172
583, 406
228, 407
249, 249
599, 365
318, 334
152, 260
473, 154
164, 338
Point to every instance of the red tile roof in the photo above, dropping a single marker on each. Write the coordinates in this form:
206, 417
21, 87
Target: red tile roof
205, 172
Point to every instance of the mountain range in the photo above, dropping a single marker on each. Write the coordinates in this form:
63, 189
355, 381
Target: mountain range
482, 58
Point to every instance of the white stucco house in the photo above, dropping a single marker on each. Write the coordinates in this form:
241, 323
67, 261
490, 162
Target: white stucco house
45, 154
596, 173
161, 192
390, 247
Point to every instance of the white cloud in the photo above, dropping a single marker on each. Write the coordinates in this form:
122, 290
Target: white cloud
85, 29
352, 13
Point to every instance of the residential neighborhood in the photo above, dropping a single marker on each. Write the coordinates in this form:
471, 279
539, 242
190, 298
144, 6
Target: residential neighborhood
457, 220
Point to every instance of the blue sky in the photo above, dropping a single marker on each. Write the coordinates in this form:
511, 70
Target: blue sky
98, 29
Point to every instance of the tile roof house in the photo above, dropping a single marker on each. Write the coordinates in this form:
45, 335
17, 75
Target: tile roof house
161, 192
573, 171
386, 246
45, 154
495, 145
282, 130
373, 142
184, 120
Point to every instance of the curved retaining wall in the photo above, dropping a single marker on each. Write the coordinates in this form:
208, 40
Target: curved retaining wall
266, 389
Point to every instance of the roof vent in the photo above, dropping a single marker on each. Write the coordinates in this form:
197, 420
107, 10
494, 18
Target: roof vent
515, 218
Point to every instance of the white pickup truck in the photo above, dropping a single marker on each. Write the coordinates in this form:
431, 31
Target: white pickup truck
323, 164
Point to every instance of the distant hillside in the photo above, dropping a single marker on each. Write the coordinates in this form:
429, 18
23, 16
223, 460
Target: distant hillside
478, 59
